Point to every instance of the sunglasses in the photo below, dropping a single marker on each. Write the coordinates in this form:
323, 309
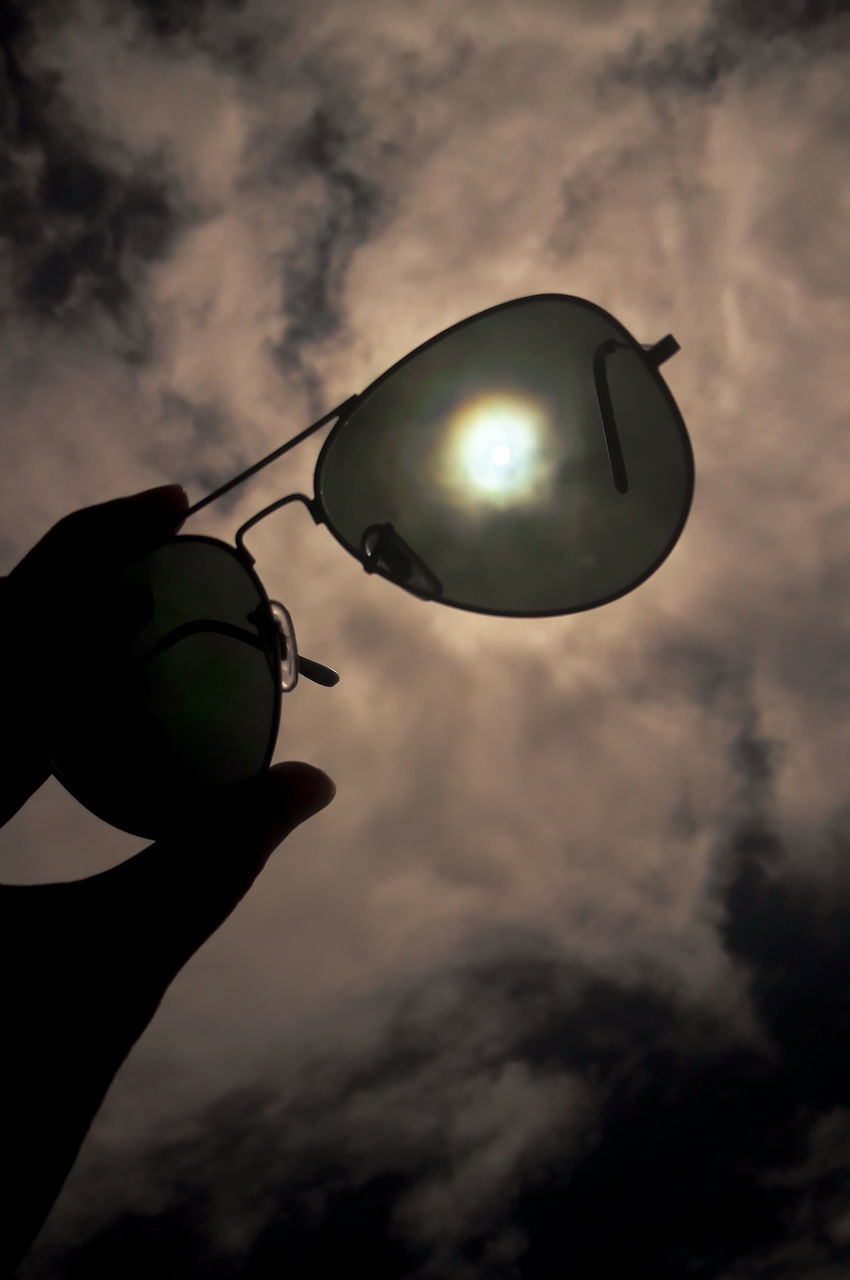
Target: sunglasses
528, 462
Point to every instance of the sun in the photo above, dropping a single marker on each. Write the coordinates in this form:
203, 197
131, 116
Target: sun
495, 447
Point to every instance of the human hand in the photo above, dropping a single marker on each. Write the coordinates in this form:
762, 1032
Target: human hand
86, 963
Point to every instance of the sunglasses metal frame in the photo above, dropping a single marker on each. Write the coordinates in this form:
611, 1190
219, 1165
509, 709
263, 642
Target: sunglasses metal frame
278, 629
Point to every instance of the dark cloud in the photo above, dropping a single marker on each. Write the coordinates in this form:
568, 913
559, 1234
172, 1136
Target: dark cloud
736, 32
676, 1183
20, 97
592, 181
313, 274
78, 231
325, 1227
791, 934
224, 30
697, 669
693, 64
88, 232
168, 18
192, 429
767, 18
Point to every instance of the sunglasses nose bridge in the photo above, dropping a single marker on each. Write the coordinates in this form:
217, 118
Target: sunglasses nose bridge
291, 660
288, 645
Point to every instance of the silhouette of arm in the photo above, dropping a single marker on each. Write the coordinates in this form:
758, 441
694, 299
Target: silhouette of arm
84, 964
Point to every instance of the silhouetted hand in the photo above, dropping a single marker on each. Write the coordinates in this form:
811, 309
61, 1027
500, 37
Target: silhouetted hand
86, 963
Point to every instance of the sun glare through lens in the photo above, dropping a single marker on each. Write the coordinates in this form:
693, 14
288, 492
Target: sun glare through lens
495, 450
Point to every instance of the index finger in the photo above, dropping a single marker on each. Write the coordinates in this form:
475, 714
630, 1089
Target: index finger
99, 539
55, 607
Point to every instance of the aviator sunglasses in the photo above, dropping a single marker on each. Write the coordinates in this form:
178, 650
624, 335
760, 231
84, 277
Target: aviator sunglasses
528, 462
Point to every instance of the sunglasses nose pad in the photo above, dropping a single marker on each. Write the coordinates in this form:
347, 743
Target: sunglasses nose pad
288, 647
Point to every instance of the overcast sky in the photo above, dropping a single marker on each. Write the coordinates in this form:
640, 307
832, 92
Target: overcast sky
559, 982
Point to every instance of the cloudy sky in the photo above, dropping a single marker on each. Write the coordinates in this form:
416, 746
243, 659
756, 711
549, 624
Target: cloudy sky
559, 982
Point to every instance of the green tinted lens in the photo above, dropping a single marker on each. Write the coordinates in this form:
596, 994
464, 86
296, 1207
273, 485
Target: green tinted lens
529, 461
192, 707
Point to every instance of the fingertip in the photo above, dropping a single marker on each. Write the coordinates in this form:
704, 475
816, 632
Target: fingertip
299, 790
282, 800
168, 501
172, 493
273, 805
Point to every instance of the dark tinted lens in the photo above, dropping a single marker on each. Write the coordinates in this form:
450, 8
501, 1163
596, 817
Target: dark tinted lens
530, 461
191, 707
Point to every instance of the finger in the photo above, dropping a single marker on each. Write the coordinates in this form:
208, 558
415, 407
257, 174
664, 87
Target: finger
61, 579
67, 577
26, 771
97, 540
172, 896
25, 768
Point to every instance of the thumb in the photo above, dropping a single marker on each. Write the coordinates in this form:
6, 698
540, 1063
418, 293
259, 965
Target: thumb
173, 895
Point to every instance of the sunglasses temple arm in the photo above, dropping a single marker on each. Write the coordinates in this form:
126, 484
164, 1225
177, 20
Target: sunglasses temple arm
606, 410
318, 673
655, 354
339, 412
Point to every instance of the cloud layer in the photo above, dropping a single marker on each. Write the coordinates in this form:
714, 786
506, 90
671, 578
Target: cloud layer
557, 979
